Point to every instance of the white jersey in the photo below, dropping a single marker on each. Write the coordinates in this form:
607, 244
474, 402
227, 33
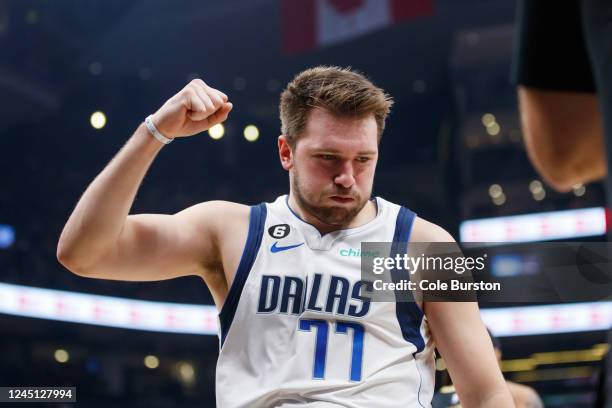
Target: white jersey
297, 327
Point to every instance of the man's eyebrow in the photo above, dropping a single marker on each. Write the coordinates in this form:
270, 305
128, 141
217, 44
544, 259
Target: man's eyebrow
334, 151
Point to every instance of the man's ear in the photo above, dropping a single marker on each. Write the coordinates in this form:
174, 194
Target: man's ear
285, 153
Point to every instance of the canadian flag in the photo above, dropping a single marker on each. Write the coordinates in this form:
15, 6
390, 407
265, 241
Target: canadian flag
308, 24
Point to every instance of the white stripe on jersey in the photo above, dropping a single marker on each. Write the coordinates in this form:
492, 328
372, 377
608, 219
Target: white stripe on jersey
296, 329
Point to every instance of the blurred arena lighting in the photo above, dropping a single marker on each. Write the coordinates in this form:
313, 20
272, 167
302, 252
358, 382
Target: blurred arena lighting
595, 353
97, 120
537, 190
202, 319
151, 362
495, 190
107, 311
497, 194
216, 132
553, 374
548, 319
186, 372
251, 133
488, 119
505, 265
7, 236
579, 190
493, 130
535, 186
61, 356
490, 123
540, 195
440, 364
499, 200
534, 227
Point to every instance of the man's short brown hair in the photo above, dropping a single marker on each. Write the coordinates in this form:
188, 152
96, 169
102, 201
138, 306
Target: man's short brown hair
340, 91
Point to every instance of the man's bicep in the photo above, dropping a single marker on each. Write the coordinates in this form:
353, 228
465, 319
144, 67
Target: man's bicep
157, 246
463, 342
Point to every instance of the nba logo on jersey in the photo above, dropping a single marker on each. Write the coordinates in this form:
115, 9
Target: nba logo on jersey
299, 329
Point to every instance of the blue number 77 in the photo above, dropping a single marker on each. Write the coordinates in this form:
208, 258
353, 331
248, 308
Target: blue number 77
322, 327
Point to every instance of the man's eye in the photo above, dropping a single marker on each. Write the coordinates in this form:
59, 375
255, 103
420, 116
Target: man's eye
363, 159
327, 156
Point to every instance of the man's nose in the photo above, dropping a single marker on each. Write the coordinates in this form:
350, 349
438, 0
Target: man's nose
345, 177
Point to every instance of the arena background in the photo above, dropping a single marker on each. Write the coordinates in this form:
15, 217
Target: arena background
77, 78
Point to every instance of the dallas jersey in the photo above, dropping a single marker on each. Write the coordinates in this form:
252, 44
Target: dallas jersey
298, 328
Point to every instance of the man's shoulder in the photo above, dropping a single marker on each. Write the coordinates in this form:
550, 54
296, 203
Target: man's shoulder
424, 230
427, 231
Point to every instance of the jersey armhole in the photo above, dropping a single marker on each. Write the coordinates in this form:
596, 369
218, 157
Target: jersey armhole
409, 314
257, 221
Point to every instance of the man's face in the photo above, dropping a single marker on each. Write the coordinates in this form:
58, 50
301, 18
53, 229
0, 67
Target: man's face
332, 166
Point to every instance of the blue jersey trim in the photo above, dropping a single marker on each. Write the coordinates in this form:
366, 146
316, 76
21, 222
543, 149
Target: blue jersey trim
257, 221
409, 315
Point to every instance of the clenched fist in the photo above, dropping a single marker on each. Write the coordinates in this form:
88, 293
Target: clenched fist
196, 108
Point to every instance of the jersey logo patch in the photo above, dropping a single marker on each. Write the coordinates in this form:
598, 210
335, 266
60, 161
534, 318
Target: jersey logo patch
274, 248
279, 231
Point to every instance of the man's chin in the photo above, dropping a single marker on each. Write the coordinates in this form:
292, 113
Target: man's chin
339, 216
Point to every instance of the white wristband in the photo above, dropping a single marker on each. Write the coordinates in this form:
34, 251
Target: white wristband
156, 134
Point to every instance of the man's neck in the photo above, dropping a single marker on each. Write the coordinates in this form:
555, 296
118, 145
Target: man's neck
367, 213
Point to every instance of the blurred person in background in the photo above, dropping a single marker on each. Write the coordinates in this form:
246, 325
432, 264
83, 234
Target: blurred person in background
563, 69
523, 395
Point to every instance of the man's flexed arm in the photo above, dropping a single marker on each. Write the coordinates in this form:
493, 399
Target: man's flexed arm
100, 220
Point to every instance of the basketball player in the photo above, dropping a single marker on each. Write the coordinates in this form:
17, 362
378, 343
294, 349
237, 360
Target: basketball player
296, 326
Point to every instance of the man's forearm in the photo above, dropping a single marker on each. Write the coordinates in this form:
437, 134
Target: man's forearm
100, 214
95, 225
